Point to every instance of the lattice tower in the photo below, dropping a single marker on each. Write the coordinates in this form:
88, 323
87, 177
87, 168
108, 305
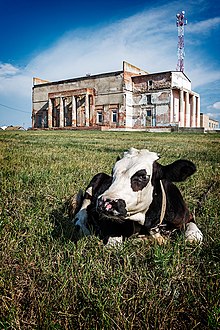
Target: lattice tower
180, 23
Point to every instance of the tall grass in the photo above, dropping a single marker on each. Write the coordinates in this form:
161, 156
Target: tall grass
49, 282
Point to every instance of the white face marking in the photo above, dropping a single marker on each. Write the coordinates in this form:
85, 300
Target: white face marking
137, 202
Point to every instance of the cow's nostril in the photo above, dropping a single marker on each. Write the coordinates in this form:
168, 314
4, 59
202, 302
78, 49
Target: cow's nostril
108, 206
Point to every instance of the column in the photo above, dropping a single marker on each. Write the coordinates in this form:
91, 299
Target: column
64, 111
154, 116
187, 109
193, 121
61, 113
181, 114
49, 113
198, 112
73, 111
171, 108
176, 107
87, 110
92, 110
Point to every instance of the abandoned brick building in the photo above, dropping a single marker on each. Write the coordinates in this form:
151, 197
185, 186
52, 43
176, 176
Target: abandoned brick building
130, 98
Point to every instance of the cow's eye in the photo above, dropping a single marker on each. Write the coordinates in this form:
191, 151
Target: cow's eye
142, 177
142, 174
139, 180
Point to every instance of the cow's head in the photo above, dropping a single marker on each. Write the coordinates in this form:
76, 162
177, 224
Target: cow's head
131, 189
134, 176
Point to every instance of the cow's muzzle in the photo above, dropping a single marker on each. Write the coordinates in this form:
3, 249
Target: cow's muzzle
110, 207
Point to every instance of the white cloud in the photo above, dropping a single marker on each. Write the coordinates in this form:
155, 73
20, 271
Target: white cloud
6, 69
138, 39
216, 105
201, 75
148, 40
214, 110
18, 85
213, 115
204, 26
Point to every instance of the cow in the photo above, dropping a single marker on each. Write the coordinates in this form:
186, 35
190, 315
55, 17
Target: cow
139, 198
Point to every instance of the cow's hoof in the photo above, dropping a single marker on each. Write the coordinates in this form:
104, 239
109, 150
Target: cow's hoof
193, 234
159, 238
114, 241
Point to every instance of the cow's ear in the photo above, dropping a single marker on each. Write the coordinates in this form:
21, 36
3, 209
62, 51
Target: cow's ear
178, 171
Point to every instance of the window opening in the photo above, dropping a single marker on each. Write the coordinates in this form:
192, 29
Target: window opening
149, 99
99, 117
114, 116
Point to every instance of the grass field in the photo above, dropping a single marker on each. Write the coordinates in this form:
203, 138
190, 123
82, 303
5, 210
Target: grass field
48, 282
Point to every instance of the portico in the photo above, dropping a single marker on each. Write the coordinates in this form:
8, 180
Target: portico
185, 108
71, 108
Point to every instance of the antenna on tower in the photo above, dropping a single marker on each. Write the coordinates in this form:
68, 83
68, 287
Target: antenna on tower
180, 23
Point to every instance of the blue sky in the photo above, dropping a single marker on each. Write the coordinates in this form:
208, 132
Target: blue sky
66, 39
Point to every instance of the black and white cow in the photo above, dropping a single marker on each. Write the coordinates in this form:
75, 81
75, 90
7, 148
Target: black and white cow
139, 198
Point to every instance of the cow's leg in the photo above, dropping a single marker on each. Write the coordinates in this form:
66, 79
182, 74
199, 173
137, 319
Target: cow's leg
192, 233
80, 223
81, 217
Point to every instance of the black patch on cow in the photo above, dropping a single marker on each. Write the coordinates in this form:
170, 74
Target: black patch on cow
139, 180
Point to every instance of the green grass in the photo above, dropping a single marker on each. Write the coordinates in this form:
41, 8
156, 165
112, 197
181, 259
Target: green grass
48, 282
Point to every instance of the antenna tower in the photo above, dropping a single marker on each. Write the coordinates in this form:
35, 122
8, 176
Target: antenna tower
180, 23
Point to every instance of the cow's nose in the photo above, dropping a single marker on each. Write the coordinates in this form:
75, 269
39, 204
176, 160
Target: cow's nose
116, 207
104, 204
